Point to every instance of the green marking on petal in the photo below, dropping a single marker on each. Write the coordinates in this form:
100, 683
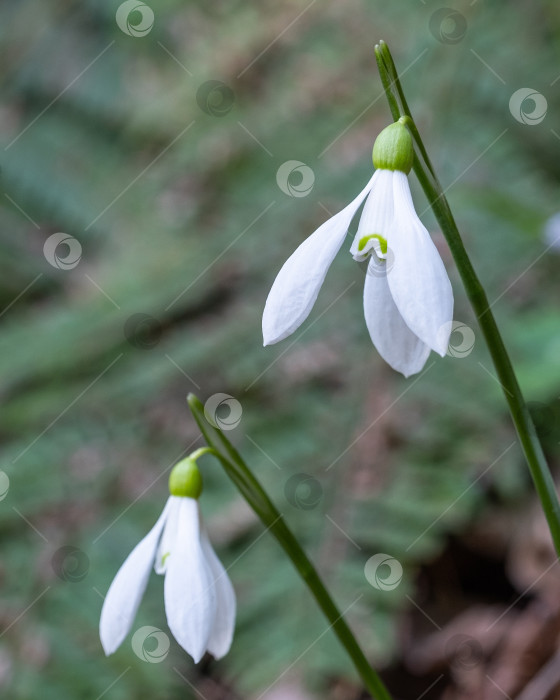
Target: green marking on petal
382, 242
164, 558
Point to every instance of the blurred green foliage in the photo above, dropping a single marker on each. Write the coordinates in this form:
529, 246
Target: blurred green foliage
180, 218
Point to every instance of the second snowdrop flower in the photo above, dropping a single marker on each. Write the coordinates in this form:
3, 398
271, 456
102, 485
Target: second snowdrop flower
408, 300
199, 597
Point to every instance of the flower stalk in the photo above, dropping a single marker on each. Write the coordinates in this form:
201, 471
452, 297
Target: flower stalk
532, 449
255, 495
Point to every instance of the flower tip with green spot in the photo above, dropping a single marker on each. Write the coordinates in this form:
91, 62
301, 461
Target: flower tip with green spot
364, 240
185, 479
393, 149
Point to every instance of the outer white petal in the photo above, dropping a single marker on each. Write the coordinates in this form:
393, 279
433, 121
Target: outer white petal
168, 536
376, 216
190, 600
417, 278
126, 591
394, 340
297, 285
224, 623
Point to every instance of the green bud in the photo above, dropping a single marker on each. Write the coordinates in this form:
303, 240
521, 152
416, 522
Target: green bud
393, 149
185, 479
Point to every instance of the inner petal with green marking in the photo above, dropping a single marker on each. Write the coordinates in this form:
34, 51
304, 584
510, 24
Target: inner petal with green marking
370, 244
365, 239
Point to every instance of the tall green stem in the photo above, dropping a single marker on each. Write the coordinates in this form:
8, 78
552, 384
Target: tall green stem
522, 420
243, 478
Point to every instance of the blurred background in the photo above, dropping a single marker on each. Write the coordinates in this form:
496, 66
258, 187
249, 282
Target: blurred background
159, 163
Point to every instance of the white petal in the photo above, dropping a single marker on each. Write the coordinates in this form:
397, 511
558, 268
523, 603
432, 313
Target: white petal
376, 216
394, 340
190, 600
417, 277
224, 623
168, 536
297, 285
127, 589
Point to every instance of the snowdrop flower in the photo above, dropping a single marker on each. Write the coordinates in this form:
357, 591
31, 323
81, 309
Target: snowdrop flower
199, 597
408, 300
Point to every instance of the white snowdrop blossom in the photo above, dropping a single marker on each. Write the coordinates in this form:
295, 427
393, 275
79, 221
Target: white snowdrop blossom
408, 300
198, 594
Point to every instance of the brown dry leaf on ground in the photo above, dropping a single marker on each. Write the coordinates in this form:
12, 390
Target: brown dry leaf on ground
490, 652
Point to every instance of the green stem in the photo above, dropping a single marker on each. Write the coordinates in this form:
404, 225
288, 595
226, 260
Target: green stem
522, 420
243, 478
383, 55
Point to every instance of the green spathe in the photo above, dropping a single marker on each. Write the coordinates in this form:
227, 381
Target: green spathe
393, 149
185, 479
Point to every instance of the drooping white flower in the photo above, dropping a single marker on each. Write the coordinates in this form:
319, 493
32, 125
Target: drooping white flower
408, 300
199, 597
